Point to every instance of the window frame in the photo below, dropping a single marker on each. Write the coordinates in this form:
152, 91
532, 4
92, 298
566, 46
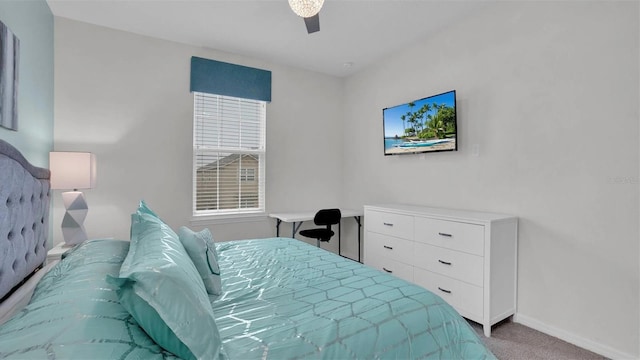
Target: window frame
239, 212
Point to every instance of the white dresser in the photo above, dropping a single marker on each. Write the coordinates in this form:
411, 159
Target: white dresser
468, 258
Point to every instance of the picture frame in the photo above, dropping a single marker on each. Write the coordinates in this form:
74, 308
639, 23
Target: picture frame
9, 64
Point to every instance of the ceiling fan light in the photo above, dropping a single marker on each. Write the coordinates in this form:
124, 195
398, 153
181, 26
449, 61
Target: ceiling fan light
306, 8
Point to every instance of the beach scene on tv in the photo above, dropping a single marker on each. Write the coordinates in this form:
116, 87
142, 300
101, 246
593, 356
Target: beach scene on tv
425, 125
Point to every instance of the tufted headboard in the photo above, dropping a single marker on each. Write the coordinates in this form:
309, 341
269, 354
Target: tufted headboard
24, 217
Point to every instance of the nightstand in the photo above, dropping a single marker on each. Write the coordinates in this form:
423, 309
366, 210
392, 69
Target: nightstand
55, 254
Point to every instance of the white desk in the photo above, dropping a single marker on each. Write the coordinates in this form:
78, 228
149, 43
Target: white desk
302, 216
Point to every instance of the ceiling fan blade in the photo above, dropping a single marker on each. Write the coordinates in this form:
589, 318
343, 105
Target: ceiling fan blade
313, 23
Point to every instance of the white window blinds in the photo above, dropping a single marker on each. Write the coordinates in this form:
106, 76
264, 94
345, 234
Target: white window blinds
228, 154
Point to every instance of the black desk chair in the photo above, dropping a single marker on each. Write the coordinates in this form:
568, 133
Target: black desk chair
326, 217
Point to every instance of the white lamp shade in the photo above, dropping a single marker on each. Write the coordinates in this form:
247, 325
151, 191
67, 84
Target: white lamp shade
72, 170
306, 8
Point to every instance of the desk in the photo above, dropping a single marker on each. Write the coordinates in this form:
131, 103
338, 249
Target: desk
297, 218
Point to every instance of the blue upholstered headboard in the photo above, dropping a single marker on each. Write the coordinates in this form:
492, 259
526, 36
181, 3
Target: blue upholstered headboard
24, 217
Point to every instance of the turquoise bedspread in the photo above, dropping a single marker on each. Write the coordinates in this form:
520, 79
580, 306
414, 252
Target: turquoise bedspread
75, 314
282, 299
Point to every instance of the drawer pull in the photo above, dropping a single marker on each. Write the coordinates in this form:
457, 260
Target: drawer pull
444, 262
444, 290
387, 270
387, 224
445, 234
387, 247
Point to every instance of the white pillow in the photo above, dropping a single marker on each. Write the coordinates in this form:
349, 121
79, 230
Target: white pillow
202, 251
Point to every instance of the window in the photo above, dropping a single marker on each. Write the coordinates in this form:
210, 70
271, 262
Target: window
247, 174
228, 155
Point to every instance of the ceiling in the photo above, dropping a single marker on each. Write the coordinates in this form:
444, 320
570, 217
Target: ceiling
353, 33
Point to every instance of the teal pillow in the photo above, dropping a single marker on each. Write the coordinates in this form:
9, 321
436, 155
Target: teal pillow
202, 251
161, 288
144, 209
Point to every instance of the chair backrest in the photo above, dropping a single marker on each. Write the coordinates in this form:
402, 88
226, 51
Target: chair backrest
327, 217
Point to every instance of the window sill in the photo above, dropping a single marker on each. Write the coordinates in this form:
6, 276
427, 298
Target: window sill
227, 218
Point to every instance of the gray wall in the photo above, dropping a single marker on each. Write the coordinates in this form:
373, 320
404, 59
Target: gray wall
548, 92
126, 98
32, 23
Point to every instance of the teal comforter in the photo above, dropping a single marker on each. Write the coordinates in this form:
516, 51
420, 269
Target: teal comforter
281, 299
75, 314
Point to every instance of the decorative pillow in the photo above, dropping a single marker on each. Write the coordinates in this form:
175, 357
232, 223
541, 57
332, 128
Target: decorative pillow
144, 209
202, 251
161, 288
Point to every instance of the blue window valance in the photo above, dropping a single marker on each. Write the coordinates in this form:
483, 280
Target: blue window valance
221, 78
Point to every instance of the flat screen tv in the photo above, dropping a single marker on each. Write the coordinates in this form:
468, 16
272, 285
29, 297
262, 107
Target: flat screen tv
421, 126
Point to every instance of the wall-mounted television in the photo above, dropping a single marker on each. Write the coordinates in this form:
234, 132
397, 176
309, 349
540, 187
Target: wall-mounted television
421, 126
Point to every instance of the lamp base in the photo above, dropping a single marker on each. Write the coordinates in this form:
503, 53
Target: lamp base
76, 207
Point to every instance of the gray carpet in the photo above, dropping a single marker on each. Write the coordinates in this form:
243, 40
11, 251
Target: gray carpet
510, 340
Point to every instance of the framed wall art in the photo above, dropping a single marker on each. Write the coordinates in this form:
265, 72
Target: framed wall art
9, 56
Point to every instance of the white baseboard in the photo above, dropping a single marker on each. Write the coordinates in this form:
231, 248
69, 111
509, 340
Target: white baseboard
574, 339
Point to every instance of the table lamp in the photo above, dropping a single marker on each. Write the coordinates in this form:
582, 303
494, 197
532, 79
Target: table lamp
73, 170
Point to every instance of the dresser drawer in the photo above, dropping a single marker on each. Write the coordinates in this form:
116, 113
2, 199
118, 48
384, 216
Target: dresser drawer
451, 235
390, 247
390, 266
397, 225
454, 264
465, 298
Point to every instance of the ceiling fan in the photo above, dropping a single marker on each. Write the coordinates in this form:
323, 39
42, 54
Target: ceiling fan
308, 10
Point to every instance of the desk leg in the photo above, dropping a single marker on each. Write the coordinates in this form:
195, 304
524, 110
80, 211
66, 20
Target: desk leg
278, 221
339, 237
294, 228
357, 218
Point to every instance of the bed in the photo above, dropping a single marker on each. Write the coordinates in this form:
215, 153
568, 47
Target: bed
278, 298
